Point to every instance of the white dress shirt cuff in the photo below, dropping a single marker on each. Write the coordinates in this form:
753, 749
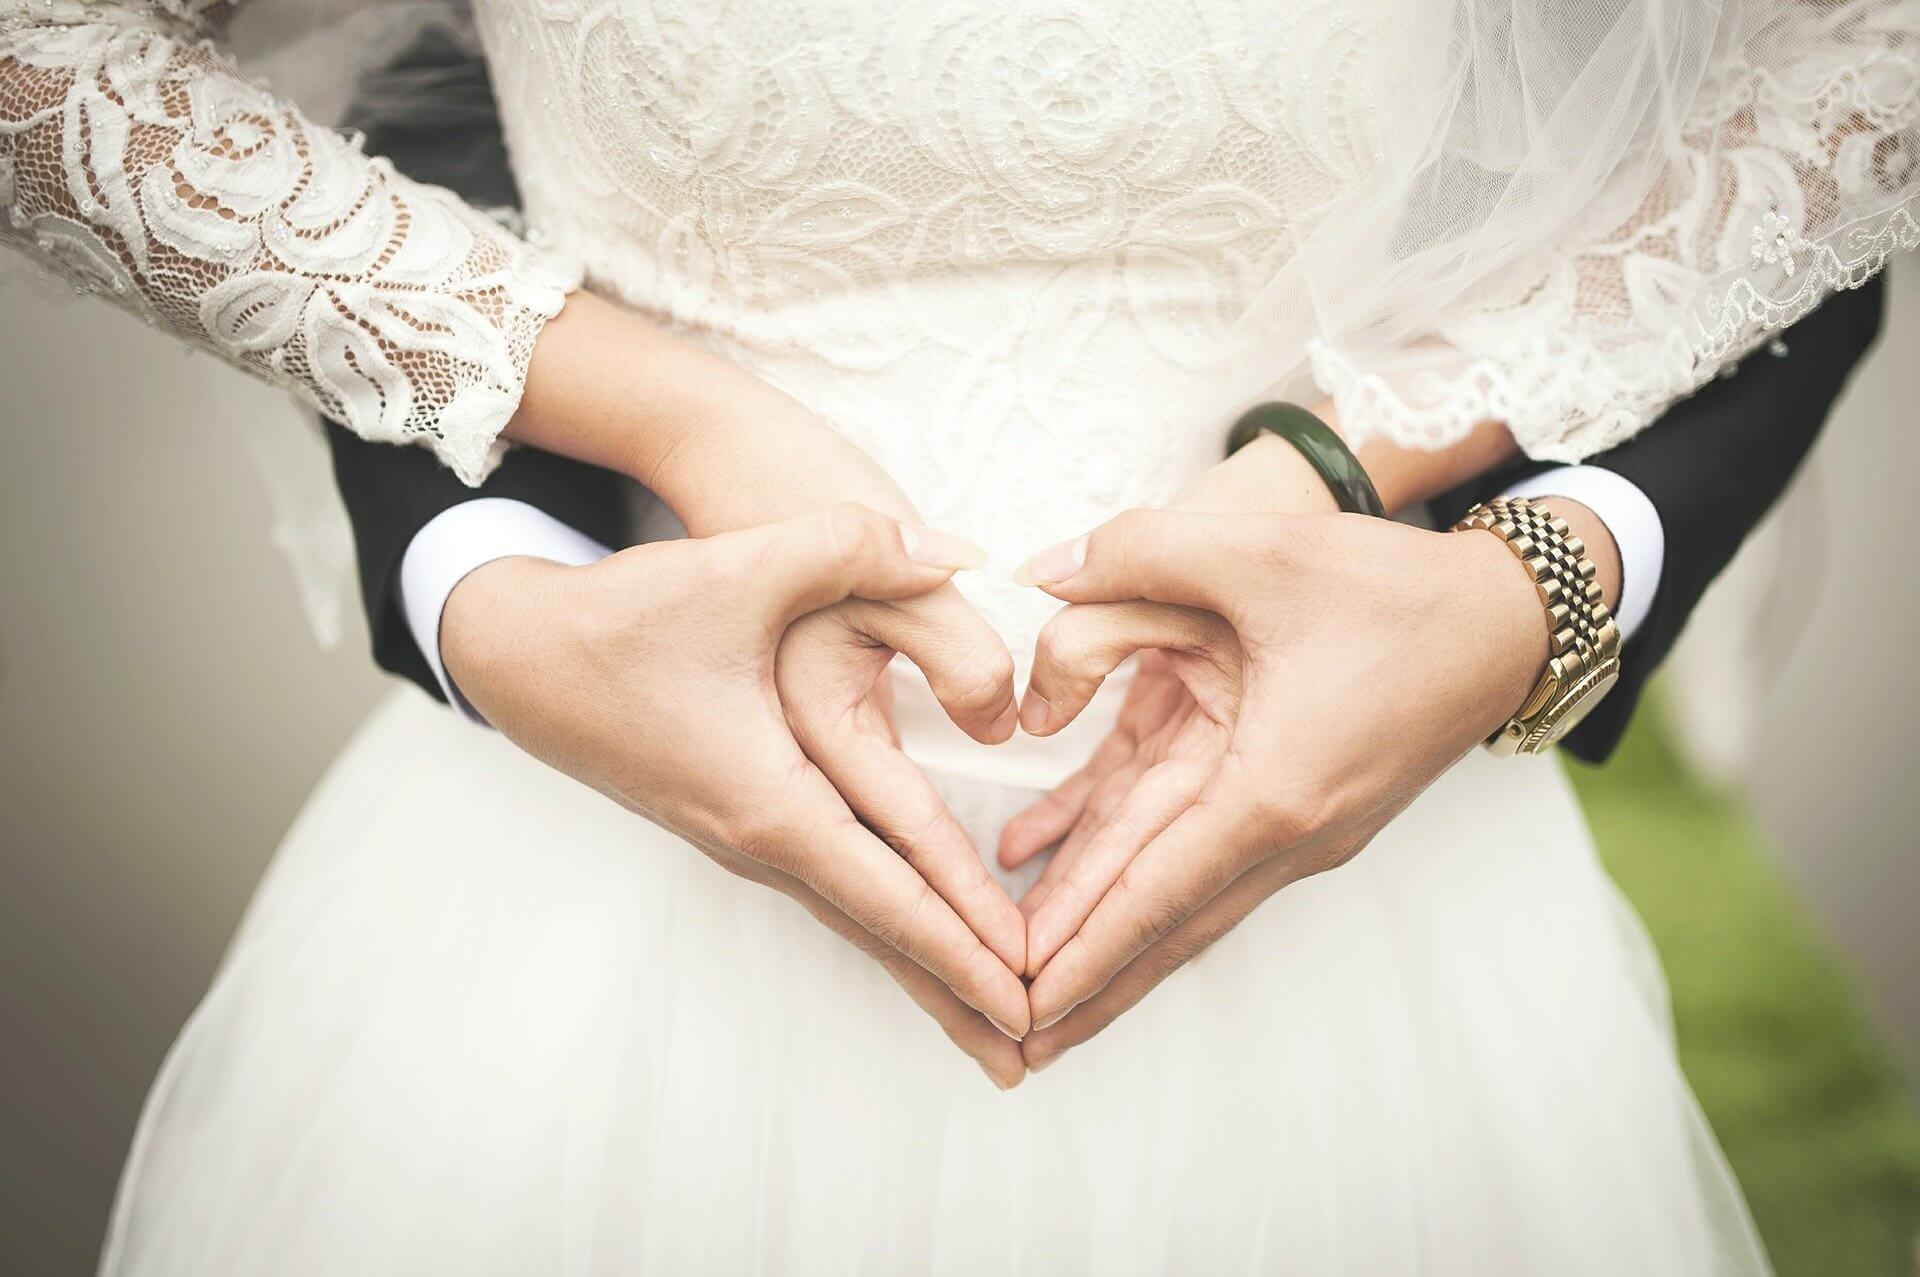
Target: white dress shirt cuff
471, 535
1629, 516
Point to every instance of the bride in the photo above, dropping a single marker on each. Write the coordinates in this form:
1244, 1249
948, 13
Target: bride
827, 278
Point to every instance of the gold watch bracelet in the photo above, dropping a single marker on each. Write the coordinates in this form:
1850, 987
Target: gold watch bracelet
1584, 641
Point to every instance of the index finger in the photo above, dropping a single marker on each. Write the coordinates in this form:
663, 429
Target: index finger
863, 877
1205, 848
884, 788
1142, 975
1151, 806
1083, 643
965, 663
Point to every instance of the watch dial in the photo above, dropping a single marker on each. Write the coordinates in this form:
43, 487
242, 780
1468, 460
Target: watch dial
1589, 692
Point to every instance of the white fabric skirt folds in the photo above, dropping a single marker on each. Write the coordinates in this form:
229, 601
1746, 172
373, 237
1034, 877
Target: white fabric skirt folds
481, 1021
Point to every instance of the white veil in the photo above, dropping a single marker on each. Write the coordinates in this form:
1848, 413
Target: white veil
1586, 208
330, 56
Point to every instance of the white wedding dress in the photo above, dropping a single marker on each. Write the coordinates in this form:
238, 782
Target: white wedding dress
479, 1020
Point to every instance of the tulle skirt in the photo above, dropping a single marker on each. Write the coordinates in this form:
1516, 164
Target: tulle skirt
481, 1021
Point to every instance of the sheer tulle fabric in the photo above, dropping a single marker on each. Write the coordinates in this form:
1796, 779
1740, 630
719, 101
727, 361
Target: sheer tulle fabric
1587, 210
479, 1020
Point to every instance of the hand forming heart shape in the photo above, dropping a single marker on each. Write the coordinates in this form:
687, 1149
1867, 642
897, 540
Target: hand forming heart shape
830, 675
688, 637
1265, 738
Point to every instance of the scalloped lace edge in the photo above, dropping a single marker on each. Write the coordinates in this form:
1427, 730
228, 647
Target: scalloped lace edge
1566, 398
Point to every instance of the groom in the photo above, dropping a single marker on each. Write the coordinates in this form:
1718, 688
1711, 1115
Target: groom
1677, 500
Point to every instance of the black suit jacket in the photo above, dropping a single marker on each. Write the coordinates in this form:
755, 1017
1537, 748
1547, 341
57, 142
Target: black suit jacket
1713, 466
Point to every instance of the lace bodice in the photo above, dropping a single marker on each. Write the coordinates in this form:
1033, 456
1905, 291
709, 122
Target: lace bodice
1008, 248
1001, 246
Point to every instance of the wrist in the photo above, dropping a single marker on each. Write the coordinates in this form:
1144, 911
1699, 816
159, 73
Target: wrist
581, 402
1502, 627
493, 615
1582, 663
1407, 476
1268, 476
762, 457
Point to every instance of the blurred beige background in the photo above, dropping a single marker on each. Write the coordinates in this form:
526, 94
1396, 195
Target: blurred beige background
164, 707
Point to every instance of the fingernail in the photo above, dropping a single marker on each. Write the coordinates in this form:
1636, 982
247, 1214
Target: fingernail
933, 548
1005, 1086
1033, 713
1054, 564
1003, 1028
1050, 1021
1003, 725
1034, 1066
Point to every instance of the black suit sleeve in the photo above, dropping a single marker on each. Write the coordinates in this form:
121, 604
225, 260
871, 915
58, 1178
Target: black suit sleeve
1713, 466
449, 136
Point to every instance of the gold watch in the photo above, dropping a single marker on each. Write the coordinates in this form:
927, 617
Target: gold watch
1584, 653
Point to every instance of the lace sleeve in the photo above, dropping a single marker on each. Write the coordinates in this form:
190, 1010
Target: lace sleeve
1797, 173
138, 163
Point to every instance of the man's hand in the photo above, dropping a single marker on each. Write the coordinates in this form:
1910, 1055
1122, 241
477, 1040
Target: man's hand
651, 676
831, 677
1335, 666
725, 450
1173, 727
1162, 718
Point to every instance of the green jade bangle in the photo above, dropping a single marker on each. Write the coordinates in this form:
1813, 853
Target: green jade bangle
1324, 450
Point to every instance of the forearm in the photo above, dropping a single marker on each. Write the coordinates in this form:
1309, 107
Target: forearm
1407, 476
721, 447
391, 307
1270, 474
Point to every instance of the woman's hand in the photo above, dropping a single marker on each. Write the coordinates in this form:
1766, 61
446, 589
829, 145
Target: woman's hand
1336, 666
652, 677
1171, 731
831, 679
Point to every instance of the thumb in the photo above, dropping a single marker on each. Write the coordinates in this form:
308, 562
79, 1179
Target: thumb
1163, 556
1085, 642
813, 561
965, 663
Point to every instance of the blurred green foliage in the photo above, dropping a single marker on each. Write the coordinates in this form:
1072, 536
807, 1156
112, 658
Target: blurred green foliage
1809, 1101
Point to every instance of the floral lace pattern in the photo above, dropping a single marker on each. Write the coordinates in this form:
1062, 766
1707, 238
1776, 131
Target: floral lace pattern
1801, 165
138, 164
1002, 247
